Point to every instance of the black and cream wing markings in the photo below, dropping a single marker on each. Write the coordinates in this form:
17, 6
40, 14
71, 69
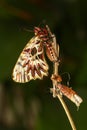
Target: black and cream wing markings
31, 63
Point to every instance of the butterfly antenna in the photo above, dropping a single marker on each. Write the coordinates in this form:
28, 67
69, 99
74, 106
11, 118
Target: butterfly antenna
69, 77
42, 22
28, 30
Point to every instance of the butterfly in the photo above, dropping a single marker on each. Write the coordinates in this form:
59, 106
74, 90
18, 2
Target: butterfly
66, 91
31, 63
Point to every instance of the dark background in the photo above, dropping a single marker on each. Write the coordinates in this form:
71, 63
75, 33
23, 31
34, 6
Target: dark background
30, 106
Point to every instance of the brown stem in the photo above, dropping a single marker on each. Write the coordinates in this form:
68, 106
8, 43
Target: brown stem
67, 112
58, 94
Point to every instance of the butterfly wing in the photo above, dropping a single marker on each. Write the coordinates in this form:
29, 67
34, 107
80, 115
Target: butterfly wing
31, 63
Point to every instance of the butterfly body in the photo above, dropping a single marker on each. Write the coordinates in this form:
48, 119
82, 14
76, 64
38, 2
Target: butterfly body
66, 91
47, 40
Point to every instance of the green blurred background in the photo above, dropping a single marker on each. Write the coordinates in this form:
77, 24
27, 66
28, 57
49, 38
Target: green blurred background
30, 106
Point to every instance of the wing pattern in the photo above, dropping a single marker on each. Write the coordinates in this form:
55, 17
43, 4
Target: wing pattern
31, 63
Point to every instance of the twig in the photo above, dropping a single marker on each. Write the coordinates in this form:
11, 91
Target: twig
67, 112
56, 64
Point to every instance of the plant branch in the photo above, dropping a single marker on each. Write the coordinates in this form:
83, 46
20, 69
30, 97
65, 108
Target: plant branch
59, 95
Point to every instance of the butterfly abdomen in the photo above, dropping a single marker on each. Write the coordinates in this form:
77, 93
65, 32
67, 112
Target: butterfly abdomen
50, 51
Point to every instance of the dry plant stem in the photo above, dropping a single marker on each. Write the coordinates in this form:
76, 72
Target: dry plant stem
65, 106
56, 64
67, 112
58, 95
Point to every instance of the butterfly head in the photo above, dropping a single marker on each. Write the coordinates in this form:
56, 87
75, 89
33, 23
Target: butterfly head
57, 78
41, 33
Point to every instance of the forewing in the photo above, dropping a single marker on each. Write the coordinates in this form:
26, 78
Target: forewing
31, 63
